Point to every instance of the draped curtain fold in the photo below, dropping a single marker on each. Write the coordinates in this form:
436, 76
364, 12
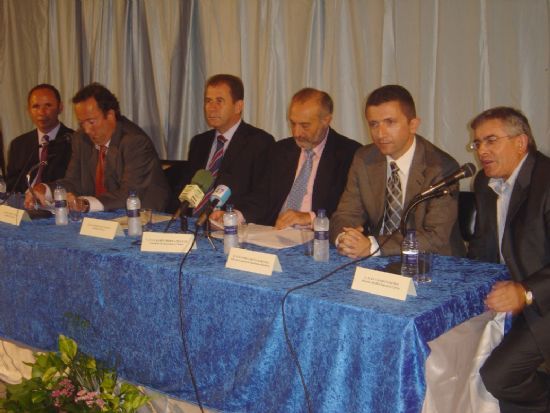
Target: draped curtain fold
456, 58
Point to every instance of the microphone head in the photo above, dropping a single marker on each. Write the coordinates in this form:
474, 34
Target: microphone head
203, 178
220, 194
469, 169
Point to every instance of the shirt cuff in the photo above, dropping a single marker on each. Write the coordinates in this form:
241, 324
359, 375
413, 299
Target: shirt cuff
95, 204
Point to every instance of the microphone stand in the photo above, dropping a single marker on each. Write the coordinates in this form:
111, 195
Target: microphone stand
415, 202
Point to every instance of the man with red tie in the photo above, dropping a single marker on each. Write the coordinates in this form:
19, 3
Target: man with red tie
110, 156
49, 142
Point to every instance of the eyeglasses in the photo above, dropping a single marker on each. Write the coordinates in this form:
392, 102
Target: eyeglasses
488, 140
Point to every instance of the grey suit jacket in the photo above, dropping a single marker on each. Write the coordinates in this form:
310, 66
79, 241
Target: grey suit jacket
131, 163
362, 203
526, 238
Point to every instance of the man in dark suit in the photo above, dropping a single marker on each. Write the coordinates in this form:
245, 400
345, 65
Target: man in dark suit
513, 227
242, 148
50, 141
280, 202
368, 213
110, 156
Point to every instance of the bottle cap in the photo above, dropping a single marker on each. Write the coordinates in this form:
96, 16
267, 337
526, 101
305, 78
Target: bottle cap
321, 213
132, 192
229, 208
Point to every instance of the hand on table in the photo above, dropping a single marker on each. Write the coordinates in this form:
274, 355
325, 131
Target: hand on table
291, 217
353, 244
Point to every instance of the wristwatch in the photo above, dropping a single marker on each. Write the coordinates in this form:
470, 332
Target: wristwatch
528, 295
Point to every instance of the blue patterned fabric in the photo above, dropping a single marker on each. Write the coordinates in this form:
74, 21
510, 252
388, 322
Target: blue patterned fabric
359, 352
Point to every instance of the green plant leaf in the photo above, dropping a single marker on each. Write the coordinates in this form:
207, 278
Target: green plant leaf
67, 348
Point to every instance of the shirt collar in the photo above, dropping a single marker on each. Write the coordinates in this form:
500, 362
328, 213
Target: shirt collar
51, 134
228, 134
404, 162
499, 185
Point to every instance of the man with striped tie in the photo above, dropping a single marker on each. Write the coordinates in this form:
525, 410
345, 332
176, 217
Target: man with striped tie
386, 175
235, 152
49, 142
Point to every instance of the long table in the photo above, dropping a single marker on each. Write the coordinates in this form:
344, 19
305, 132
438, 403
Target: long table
358, 352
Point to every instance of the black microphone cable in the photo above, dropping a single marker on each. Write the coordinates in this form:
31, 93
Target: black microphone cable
182, 323
308, 284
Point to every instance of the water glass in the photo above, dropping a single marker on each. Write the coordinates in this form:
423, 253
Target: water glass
425, 264
307, 241
146, 218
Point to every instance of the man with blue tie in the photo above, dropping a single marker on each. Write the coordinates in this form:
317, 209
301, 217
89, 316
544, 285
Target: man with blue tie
307, 171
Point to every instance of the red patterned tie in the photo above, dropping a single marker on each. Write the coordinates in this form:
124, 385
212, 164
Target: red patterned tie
43, 159
100, 171
214, 167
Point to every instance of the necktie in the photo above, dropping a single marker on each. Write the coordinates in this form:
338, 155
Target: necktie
100, 171
43, 159
214, 167
394, 202
299, 187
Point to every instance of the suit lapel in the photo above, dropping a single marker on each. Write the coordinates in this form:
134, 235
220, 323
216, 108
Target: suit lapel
235, 148
376, 178
325, 170
416, 172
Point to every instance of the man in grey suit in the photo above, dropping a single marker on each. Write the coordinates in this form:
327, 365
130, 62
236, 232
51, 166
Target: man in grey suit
513, 227
110, 156
367, 216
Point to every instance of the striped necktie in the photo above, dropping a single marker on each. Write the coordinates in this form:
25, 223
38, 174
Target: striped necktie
394, 202
43, 159
214, 168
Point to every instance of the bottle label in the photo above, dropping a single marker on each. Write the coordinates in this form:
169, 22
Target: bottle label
230, 230
132, 213
60, 203
321, 235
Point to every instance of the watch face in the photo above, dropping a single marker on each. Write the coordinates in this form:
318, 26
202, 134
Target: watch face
528, 297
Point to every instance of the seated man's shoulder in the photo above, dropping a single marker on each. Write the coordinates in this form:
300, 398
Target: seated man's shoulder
252, 131
369, 153
437, 157
345, 143
24, 138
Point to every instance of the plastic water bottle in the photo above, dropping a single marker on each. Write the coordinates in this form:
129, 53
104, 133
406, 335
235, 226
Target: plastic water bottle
230, 229
61, 210
409, 254
133, 205
2, 187
320, 238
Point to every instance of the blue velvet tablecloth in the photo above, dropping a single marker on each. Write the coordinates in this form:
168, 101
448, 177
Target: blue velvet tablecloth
358, 352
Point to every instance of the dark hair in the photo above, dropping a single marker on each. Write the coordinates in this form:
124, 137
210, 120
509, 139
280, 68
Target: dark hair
44, 86
105, 99
393, 93
514, 120
234, 83
309, 93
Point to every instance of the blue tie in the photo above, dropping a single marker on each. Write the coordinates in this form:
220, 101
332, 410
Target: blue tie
299, 188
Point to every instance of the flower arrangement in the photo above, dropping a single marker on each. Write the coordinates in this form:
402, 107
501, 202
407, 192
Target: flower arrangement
70, 381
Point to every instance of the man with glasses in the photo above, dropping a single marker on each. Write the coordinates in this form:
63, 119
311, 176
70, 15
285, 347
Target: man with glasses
513, 227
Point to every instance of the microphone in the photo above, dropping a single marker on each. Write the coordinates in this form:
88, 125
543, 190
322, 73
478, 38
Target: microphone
193, 193
465, 171
220, 195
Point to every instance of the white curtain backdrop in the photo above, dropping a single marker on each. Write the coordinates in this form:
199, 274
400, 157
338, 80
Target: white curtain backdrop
456, 57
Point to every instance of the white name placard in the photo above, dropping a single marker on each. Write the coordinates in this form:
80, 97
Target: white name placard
166, 242
253, 261
13, 216
383, 283
101, 228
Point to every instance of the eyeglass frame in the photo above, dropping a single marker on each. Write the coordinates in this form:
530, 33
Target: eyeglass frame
488, 140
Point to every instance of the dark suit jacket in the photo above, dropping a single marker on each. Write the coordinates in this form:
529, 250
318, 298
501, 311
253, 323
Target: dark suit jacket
131, 163
23, 155
328, 185
243, 164
362, 203
526, 238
